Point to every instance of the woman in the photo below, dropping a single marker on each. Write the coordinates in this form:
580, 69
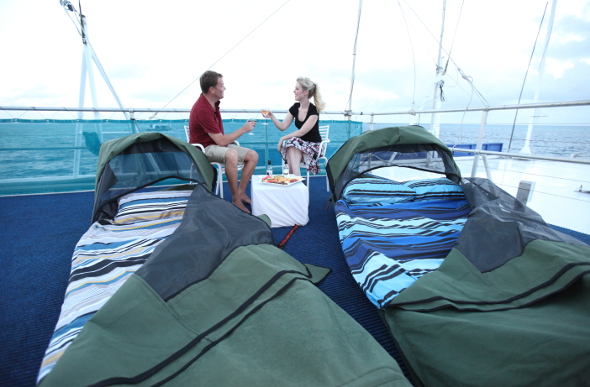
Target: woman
304, 143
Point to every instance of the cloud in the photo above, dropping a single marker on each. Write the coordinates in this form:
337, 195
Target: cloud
154, 51
557, 68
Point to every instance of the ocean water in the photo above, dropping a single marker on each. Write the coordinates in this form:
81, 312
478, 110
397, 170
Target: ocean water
32, 149
546, 140
46, 148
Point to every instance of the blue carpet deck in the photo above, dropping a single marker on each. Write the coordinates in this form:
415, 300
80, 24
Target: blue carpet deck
37, 243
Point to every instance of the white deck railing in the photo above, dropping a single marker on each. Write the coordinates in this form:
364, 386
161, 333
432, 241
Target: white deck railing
133, 114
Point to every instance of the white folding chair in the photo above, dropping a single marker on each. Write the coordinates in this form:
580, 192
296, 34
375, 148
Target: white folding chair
219, 166
325, 133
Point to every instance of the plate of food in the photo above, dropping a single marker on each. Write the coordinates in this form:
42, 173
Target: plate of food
282, 180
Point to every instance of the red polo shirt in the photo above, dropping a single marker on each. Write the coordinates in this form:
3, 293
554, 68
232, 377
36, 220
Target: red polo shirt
204, 120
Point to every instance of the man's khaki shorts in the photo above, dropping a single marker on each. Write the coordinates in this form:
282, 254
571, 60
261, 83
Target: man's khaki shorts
216, 153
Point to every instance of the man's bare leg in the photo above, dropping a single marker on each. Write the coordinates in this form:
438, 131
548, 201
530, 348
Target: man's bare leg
250, 162
231, 171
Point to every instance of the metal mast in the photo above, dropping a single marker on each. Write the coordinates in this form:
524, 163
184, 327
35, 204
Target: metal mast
348, 108
435, 123
89, 56
526, 149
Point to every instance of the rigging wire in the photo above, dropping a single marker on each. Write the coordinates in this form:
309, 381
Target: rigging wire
348, 107
82, 21
408, 23
69, 7
463, 117
230, 50
465, 77
413, 54
434, 61
453, 41
442, 94
526, 74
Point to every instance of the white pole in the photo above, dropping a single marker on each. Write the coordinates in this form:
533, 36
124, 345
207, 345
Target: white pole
106, 79
82, 85
482, 127
91, 82
526, 149
89, 56
90, 72
358, 23
435, 123
81, 96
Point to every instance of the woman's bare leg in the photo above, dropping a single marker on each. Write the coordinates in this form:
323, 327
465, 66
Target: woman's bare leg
294, 157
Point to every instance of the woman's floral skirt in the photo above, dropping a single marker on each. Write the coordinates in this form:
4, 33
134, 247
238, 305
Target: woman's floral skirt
310, 153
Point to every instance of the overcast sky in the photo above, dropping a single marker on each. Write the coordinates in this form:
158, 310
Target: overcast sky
153, 50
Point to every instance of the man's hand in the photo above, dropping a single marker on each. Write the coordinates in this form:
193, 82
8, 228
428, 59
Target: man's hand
249, 126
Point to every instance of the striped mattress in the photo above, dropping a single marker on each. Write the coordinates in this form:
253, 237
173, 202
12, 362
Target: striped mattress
393, 233
106, 255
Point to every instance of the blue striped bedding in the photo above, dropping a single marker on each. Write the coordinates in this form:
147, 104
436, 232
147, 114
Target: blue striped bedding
106, 255
390, 242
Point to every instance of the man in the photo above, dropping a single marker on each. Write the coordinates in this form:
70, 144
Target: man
206, 128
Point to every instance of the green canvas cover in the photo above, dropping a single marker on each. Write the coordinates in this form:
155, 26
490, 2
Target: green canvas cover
217, 304
142, 159
408, 146
509, 306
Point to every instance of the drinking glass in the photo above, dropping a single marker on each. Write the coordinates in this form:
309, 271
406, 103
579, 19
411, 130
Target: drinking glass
251, 133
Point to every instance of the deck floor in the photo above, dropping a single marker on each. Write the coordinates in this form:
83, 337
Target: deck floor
37, 242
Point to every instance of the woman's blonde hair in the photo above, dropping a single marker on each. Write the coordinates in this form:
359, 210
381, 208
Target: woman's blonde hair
314, 92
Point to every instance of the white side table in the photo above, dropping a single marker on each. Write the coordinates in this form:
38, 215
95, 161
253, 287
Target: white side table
284, 205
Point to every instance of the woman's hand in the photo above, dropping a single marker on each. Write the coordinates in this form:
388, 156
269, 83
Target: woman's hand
267, 114
280, 144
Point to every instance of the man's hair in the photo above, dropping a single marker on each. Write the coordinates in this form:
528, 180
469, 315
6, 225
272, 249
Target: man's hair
209, 79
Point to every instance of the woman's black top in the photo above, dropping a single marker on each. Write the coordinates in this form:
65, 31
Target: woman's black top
314, 134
